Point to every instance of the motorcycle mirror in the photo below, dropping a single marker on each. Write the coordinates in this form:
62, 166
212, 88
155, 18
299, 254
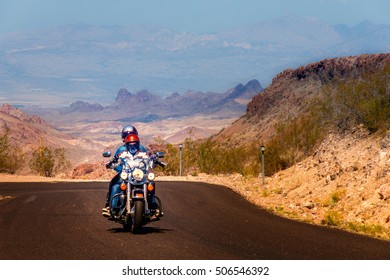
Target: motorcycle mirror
107, 154
160, 154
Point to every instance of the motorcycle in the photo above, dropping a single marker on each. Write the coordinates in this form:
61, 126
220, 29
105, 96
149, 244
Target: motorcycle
133, 208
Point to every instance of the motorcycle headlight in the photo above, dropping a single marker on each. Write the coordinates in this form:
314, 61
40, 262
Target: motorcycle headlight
124, 175
138, 174
151, 176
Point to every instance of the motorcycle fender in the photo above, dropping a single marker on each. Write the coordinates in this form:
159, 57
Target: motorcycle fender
138, 194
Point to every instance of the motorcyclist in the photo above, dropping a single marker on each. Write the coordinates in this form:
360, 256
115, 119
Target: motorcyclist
133, 147
127, 130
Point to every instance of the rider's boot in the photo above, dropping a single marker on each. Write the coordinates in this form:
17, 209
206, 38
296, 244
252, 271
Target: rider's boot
106, 212
155, 211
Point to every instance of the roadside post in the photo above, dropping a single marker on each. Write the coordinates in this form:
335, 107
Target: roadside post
181, 157
262, 164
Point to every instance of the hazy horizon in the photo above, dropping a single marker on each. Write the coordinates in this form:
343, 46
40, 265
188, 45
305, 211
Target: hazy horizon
201, 16
213, 45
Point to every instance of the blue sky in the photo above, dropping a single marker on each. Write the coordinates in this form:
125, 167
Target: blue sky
201, 16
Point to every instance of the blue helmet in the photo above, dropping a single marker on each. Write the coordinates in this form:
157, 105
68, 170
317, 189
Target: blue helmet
128, 130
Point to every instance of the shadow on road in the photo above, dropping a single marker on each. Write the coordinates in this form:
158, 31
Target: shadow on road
143, 230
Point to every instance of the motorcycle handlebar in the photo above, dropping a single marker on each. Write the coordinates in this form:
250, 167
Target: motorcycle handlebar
162, 164
153, 157
111, 162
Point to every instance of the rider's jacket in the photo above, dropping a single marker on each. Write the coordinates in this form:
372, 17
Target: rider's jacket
122, 149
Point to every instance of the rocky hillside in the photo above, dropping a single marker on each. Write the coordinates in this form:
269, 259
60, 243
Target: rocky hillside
24, 129
297, 85
291, 93
345, 181
28, 131
344, 184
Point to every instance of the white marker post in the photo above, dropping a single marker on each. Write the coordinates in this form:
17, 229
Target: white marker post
181, 156
262, 164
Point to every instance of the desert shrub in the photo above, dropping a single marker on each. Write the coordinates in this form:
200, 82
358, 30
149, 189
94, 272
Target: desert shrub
334, 198
210, 157
61, 162
207, 155
371, 229
333, 218
295, 139
47, 161
360, 101
215, 158
338, 195
11, 157
171, 159
42, 161
189, 157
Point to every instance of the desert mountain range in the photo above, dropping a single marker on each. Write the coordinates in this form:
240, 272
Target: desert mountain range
176, 117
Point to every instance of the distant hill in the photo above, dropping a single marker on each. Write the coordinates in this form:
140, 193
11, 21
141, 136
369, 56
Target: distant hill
82, 106
140, 105
102, 123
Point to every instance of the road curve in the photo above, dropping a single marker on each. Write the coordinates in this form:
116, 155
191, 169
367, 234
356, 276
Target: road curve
51, 221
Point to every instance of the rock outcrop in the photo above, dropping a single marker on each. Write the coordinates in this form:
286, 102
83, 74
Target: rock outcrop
305, 81
292, 90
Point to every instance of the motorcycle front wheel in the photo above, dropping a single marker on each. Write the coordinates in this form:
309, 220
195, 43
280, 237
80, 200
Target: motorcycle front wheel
138, 215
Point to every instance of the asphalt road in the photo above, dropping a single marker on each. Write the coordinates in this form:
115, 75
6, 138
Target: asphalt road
51, 221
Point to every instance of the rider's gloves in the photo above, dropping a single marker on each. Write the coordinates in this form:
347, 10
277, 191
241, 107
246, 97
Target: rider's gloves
108, 164
111, 162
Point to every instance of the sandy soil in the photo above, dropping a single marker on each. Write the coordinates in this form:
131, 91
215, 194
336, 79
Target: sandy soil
32, 178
